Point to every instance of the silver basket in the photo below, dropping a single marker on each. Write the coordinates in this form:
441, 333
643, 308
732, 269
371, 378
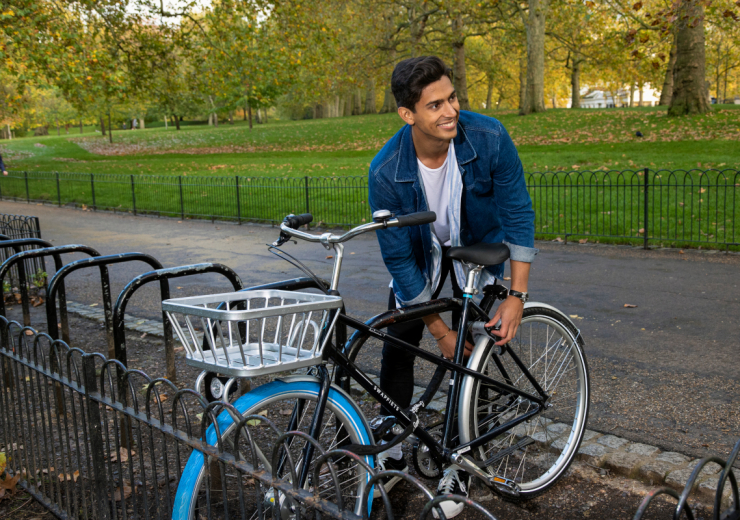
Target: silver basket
252, 333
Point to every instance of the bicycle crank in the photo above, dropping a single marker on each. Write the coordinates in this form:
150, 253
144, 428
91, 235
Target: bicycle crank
503, 485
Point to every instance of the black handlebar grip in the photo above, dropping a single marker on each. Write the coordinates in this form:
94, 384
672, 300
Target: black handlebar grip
296, 221
417, 219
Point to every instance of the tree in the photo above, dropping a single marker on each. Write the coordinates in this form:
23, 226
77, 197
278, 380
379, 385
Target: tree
690, 94
534, 23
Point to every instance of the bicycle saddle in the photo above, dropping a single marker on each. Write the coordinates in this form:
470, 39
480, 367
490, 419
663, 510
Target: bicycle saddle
480, 254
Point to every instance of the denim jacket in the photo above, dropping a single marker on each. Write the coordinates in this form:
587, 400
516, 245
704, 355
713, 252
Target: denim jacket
495, 205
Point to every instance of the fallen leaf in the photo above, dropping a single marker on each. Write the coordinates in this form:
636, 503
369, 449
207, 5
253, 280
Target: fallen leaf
614, 377
573, 315
46, 471
287, 411
73, 477
143, 336
124, 455
29, 333
126, 493
558, 239
681, 252
641, 230
178, 349
94, 305
629, 306
8, 485
329, 257
583, 241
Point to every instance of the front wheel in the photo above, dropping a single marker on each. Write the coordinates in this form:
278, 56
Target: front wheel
342, 423
535, 453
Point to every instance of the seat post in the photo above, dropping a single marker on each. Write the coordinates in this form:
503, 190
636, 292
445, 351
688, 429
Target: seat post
472, 282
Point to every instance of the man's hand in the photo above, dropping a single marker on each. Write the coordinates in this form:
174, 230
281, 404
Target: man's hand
510, 313
4, 172
447, 346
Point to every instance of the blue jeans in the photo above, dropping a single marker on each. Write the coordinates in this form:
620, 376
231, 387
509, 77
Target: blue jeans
397, 366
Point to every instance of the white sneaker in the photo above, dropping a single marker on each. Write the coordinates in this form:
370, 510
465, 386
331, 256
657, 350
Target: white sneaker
454, 481
387, 463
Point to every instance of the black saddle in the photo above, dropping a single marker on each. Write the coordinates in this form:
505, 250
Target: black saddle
480, 254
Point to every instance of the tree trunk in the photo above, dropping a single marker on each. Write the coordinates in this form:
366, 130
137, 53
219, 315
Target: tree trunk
370, 107
177, 122
249, 113
534, 95
210, 119
58, 132
80, 125
357, 106
459, 76
389, 102
489, 93
231, 117
632, 95
245, 113
143, 123
348, 103
102, 126
522, 83
689, 90
667, 93
165, 122
110, 129
575, 84
640, 95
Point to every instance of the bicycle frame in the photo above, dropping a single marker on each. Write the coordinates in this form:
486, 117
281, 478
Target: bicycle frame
441, 452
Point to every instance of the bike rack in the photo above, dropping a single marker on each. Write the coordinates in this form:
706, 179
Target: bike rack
53, 251
102, 262
162, 276
732, 513
22, 284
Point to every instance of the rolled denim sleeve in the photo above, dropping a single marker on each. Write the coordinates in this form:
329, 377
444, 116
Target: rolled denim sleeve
514, 203
409, 282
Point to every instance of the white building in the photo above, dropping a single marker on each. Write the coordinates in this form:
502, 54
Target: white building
598, 98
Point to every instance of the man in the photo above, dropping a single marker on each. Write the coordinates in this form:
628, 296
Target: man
2, 166
465, 168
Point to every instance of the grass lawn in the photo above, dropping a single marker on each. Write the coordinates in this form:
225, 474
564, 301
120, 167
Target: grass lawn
194, 172
555, 140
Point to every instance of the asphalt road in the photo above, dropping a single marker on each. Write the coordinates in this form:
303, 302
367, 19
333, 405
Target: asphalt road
665, 372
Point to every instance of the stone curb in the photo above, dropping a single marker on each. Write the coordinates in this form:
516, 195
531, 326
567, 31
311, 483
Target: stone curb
633, 460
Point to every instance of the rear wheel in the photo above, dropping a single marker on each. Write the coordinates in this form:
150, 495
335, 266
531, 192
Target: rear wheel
535, 453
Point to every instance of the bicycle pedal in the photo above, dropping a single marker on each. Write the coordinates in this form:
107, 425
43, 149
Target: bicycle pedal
504, 486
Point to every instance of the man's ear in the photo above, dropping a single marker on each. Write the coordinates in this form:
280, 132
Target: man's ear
407, 115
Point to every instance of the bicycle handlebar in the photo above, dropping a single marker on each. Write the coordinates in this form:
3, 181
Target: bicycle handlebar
291, 222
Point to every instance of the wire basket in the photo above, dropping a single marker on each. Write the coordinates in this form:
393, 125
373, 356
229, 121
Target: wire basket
252, 333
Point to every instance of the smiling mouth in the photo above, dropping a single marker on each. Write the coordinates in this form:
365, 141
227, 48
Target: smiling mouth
448, 125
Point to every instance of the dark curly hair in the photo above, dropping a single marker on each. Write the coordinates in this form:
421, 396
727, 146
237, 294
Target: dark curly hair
411, 76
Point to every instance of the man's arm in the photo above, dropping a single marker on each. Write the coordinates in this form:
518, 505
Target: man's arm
409, 283
511, 309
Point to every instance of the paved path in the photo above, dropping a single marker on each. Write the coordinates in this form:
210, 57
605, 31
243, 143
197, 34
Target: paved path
665, 373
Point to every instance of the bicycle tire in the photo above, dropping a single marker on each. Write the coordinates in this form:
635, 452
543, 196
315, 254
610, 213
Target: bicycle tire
554, 435
269, 396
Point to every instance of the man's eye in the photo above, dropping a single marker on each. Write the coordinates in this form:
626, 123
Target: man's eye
435, 106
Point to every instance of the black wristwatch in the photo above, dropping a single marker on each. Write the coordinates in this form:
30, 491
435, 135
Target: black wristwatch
521, 295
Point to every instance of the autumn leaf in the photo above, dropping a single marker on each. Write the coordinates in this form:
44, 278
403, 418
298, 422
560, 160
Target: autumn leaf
118, 496
629, 306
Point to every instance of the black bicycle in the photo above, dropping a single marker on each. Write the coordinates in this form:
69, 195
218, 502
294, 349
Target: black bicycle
515, 414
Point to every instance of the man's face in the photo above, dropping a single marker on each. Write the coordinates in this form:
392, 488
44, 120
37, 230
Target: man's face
437, 111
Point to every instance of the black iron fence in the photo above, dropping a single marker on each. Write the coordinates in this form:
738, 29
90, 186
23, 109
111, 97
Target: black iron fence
697, 207
90, 439
14, 227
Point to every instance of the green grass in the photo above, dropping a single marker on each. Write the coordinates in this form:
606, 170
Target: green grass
206, 161
555, 140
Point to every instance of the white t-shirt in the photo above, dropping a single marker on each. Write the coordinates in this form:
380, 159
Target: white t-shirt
437, 190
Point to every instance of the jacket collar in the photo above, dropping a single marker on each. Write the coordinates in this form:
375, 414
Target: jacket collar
407, 169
